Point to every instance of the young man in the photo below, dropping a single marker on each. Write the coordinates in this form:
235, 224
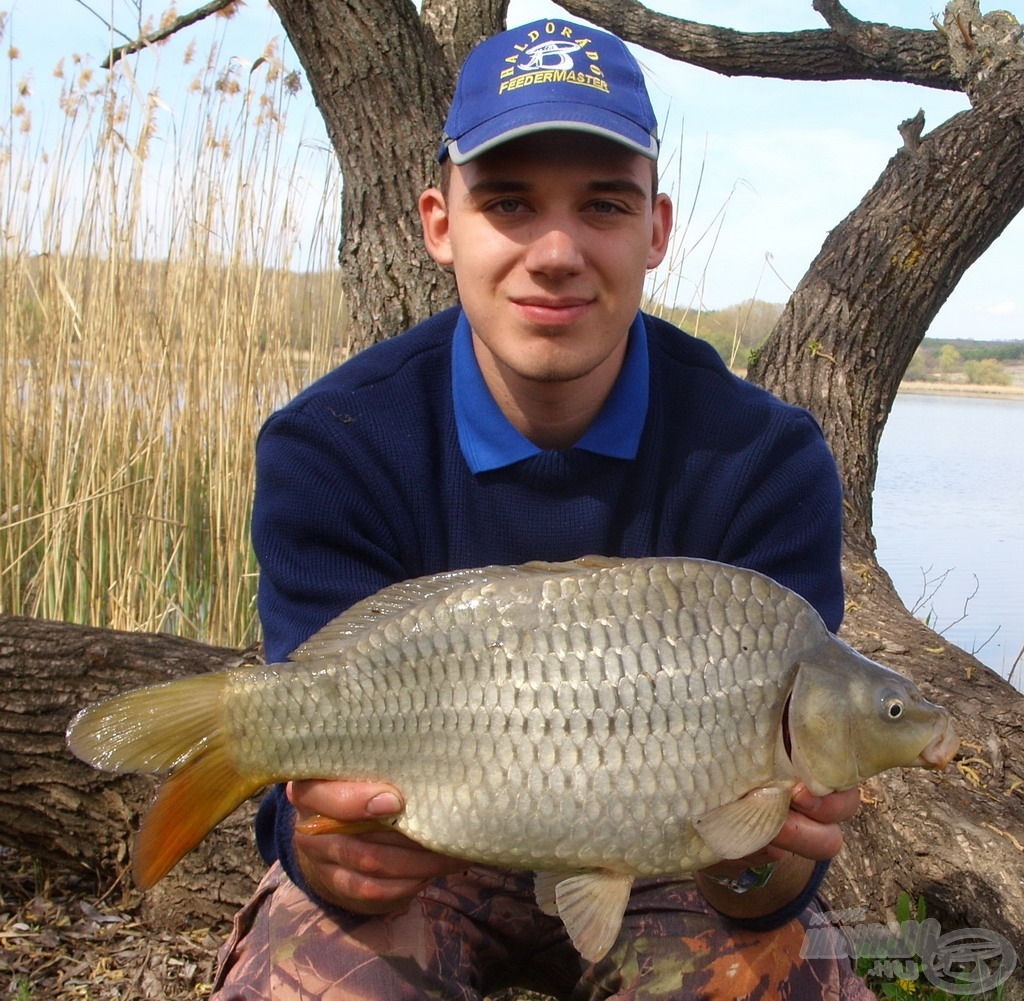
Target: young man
545, 418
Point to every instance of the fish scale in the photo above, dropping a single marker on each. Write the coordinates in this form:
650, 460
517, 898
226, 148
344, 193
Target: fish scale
596, 720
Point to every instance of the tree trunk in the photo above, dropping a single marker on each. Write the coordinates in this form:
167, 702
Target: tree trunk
382, 79
68, 814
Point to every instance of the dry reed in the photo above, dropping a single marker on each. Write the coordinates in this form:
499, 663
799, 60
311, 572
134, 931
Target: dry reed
153, 311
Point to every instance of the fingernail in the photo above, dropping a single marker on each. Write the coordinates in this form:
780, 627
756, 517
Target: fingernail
384, 804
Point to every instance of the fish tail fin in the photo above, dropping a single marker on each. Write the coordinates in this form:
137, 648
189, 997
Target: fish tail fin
190, 804
176, 727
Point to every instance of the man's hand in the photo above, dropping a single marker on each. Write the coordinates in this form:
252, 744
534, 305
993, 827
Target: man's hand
811, 834
812, 828
367, 873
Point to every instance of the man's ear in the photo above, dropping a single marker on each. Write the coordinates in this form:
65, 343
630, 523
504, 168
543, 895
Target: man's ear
661, 231
434, 219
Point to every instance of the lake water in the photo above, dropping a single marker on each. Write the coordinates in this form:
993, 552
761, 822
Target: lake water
949, 520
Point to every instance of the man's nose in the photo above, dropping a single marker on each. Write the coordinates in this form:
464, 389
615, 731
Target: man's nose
555, 251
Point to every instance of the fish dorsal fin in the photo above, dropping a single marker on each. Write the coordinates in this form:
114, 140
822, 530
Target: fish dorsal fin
390, 601
746, 825
590, 562
398, 598
591, 905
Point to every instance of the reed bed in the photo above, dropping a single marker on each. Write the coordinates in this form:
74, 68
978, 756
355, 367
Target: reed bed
161, 291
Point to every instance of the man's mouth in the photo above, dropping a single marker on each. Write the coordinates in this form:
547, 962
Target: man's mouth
553, 311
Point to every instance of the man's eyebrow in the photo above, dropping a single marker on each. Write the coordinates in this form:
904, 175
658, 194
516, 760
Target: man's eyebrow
497, 186
618, 186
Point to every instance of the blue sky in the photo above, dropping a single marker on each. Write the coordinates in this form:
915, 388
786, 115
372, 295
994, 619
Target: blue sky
760, 170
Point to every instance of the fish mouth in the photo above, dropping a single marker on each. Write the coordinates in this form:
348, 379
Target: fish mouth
938, 753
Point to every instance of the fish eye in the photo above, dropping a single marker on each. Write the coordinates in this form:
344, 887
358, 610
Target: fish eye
892, 706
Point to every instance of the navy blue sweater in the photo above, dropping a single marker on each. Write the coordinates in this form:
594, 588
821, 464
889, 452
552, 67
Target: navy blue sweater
361, 482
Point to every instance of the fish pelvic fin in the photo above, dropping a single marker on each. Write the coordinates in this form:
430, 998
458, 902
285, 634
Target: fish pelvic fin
747, 824
319, 824
178, 728
591, 905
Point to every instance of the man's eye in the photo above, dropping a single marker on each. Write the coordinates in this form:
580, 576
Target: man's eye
507, 206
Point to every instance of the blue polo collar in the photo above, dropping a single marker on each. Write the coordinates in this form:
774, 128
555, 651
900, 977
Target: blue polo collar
489, 440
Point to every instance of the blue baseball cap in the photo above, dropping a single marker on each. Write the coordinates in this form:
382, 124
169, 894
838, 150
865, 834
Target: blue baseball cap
549, 75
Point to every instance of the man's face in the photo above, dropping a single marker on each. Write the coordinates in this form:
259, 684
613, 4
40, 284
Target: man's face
550, 237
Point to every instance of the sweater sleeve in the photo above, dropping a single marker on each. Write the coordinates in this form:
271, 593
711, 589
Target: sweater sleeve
789, 523
319, 535
322, 545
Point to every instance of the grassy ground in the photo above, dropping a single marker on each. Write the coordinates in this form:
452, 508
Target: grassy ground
57, 945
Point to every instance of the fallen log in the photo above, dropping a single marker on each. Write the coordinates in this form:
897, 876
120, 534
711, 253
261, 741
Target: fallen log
69, 815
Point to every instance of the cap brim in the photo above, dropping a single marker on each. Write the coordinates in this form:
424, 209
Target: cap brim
549, 117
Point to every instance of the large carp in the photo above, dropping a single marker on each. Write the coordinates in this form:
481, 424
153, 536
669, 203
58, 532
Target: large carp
595, 721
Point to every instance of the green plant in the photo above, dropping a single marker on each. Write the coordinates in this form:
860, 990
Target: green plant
904, 978
987, 372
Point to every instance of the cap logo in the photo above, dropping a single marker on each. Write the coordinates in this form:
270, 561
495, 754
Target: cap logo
548, 56
552, 60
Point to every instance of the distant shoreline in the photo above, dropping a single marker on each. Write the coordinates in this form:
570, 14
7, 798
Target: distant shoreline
962, 389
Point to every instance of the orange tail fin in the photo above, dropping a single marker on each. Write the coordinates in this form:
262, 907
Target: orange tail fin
190, 804
175, 727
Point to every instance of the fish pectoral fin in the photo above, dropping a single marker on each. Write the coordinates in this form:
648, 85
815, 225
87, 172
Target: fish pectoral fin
747, 825
590, 904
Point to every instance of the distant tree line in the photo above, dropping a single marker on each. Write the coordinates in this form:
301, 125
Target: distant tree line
979, 363
737, 332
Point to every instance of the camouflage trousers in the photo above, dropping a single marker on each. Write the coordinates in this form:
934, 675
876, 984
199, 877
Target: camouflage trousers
470, 935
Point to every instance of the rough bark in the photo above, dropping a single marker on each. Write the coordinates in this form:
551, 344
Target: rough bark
69, 815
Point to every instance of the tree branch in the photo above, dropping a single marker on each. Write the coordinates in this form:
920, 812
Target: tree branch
848, 50
983, 47
837, 17
910, 129
166, 30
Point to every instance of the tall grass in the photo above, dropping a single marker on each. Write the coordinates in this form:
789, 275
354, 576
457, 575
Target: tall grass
154, 309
